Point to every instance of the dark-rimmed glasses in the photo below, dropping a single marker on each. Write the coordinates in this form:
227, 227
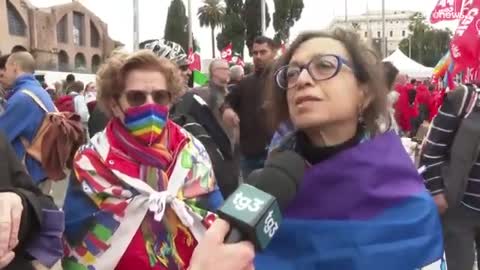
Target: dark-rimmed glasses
138, 97
322, 67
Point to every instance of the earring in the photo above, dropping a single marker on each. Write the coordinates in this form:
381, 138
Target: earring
361, 120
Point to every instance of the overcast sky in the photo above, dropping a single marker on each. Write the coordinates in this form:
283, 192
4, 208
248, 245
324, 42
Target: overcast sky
317, 14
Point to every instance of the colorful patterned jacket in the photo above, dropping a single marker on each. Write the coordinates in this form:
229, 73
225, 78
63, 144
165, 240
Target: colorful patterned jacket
107, 206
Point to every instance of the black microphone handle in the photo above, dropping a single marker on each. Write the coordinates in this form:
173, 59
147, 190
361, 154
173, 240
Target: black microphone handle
234, 236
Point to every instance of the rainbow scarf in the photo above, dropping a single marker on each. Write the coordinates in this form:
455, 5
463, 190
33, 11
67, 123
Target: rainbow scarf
364, 208
146, 122
118, 190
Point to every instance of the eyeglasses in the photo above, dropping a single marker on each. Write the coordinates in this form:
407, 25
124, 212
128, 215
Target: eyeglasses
137, 97
320, 68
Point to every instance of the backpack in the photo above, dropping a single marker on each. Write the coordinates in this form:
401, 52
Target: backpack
56, 141
198, 120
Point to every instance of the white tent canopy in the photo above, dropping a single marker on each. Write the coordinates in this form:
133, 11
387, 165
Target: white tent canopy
408, 66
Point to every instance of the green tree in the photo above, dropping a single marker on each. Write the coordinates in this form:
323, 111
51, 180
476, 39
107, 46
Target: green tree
177, 22
211, 15
428, 45
233, 29
287, 12
252, 19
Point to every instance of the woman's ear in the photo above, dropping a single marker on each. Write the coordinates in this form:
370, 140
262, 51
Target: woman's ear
116, 109
366, 96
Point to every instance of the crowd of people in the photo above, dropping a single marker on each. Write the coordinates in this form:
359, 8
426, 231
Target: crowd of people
150, 160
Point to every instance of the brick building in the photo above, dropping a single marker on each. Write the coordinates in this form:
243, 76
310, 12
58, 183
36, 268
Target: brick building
66, 37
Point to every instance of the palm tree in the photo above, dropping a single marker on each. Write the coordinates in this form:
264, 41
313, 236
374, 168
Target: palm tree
211, 15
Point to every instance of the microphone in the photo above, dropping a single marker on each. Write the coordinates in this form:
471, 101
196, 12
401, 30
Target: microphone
254, 209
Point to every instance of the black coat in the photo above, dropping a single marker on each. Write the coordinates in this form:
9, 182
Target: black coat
13, 178
97, 121
199, 120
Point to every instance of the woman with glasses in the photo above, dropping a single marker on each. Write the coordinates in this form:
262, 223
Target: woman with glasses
362, 204
142, 190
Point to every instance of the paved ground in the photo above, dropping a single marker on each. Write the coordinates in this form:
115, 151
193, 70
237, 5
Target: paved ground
58, 192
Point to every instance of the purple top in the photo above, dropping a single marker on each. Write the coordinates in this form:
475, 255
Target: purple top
328, 184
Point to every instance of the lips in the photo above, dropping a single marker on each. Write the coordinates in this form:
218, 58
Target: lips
302, 99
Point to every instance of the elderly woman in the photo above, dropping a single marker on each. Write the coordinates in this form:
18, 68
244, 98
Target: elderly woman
362, 204
142, 189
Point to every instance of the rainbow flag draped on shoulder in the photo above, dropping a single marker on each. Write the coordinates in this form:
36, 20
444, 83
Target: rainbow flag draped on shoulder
366, 208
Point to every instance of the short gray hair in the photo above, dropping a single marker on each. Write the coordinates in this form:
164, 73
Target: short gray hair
236, 72
212, 66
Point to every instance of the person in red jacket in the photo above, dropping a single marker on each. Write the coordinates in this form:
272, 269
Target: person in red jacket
406, 108
424, 101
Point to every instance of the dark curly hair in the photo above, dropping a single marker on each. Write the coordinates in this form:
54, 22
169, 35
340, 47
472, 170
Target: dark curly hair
368, 71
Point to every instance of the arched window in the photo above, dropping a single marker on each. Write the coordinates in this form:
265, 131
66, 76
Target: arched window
16, 25
63, 61
80, 62
78, 29
96, 61
94, 36
62, 33
18, 48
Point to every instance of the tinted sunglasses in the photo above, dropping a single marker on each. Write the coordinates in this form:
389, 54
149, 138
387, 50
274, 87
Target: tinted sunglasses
137, 97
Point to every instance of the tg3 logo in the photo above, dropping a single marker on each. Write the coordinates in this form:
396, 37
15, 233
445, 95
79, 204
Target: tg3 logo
271, 226
242, 202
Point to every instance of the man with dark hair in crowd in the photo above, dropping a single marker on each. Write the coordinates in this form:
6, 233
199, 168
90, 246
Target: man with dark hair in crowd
68, 83
245, 107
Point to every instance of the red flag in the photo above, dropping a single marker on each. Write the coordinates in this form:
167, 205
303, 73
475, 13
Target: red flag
446, 10
194, 60
465, 44
227, 53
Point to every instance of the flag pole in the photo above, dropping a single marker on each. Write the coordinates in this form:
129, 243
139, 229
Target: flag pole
384, 38
190, 35
346, 11
136, 26
262, 16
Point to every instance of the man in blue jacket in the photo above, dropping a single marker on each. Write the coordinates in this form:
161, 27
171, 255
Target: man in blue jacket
23, 117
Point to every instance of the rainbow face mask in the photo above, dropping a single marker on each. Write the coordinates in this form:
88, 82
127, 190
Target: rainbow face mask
146, 122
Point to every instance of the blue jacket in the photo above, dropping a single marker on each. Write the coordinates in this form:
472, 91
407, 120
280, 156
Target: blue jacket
22, 119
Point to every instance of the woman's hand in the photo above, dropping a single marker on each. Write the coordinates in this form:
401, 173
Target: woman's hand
212, 254
230, 118
441, 203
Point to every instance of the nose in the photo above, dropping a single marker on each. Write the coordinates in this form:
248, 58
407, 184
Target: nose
149, 99
304, 79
